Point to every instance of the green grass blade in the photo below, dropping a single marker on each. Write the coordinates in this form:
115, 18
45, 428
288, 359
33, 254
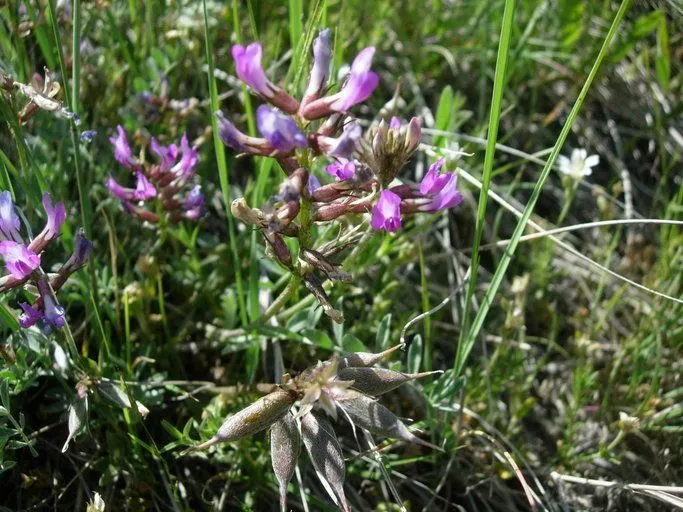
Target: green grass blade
223, 170
499, 274
494, 119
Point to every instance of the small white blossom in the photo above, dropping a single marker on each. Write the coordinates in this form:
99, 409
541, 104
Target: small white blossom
579, 165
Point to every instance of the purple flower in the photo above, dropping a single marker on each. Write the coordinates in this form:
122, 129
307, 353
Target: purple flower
9, 220
362, 81
143, 189
188, 162
87, 136
322, 55
345, 145
386, 214
81, 252
342, 169
395, 123
20, 261
122, 151
167, 154
447, 197
433, 182
279, 130
54, 313
55, 217
30, 316
249, 68
313, 183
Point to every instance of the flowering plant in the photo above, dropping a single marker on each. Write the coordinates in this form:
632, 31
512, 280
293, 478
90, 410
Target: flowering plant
23, 261
364, 167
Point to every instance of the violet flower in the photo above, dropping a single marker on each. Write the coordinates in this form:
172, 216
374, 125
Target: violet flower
53, 312
386, 214
194, 203
249, 68
395, 123
20, 261
143, 190
167, 154
345, 145
433, 182
122, 151
343, 170
322, 56
55, 217
279, 130
81, 252
313, 183
188, 161
447, 196
30, 316
9, 220
362, 81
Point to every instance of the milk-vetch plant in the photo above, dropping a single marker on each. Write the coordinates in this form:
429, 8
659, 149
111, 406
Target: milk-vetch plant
364, 167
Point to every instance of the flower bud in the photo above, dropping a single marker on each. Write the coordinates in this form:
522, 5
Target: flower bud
258, 416
326, 455
377, 381
285, 445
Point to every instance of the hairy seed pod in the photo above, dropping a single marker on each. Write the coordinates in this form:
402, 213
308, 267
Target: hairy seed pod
326, 455
365, 359
259, 415
285, 444
369, 414
377, 381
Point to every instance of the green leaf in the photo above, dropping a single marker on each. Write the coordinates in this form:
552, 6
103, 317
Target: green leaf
352, 344
444, 114
662, 59
383, 333
415, 354
318, 338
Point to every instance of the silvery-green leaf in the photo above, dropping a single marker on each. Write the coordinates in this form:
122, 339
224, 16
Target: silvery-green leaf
285, 444
78, 415
326, 455
113, 393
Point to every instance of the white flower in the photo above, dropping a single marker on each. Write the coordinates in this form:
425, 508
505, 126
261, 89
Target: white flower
579, 165
97, 504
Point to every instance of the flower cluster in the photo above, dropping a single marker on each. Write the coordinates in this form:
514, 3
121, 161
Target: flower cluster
23, 261
364, 168
305, 407
168, 181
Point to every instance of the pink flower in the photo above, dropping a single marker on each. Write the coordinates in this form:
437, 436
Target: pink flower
249, 68
362, 81
386, 214
441, 189
343, 169
122, 151
20, 261
55, 217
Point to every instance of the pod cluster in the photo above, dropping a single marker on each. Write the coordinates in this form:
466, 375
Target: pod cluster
305, 409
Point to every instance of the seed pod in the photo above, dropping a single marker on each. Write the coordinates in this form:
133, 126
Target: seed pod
326, 454
377, 381
285, 444
369, 414
365, 359
259, 415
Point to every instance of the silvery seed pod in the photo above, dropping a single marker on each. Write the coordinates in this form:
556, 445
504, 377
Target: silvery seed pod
365, 359
258, 416
326, 455
285, 444
369, 414
377, 381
